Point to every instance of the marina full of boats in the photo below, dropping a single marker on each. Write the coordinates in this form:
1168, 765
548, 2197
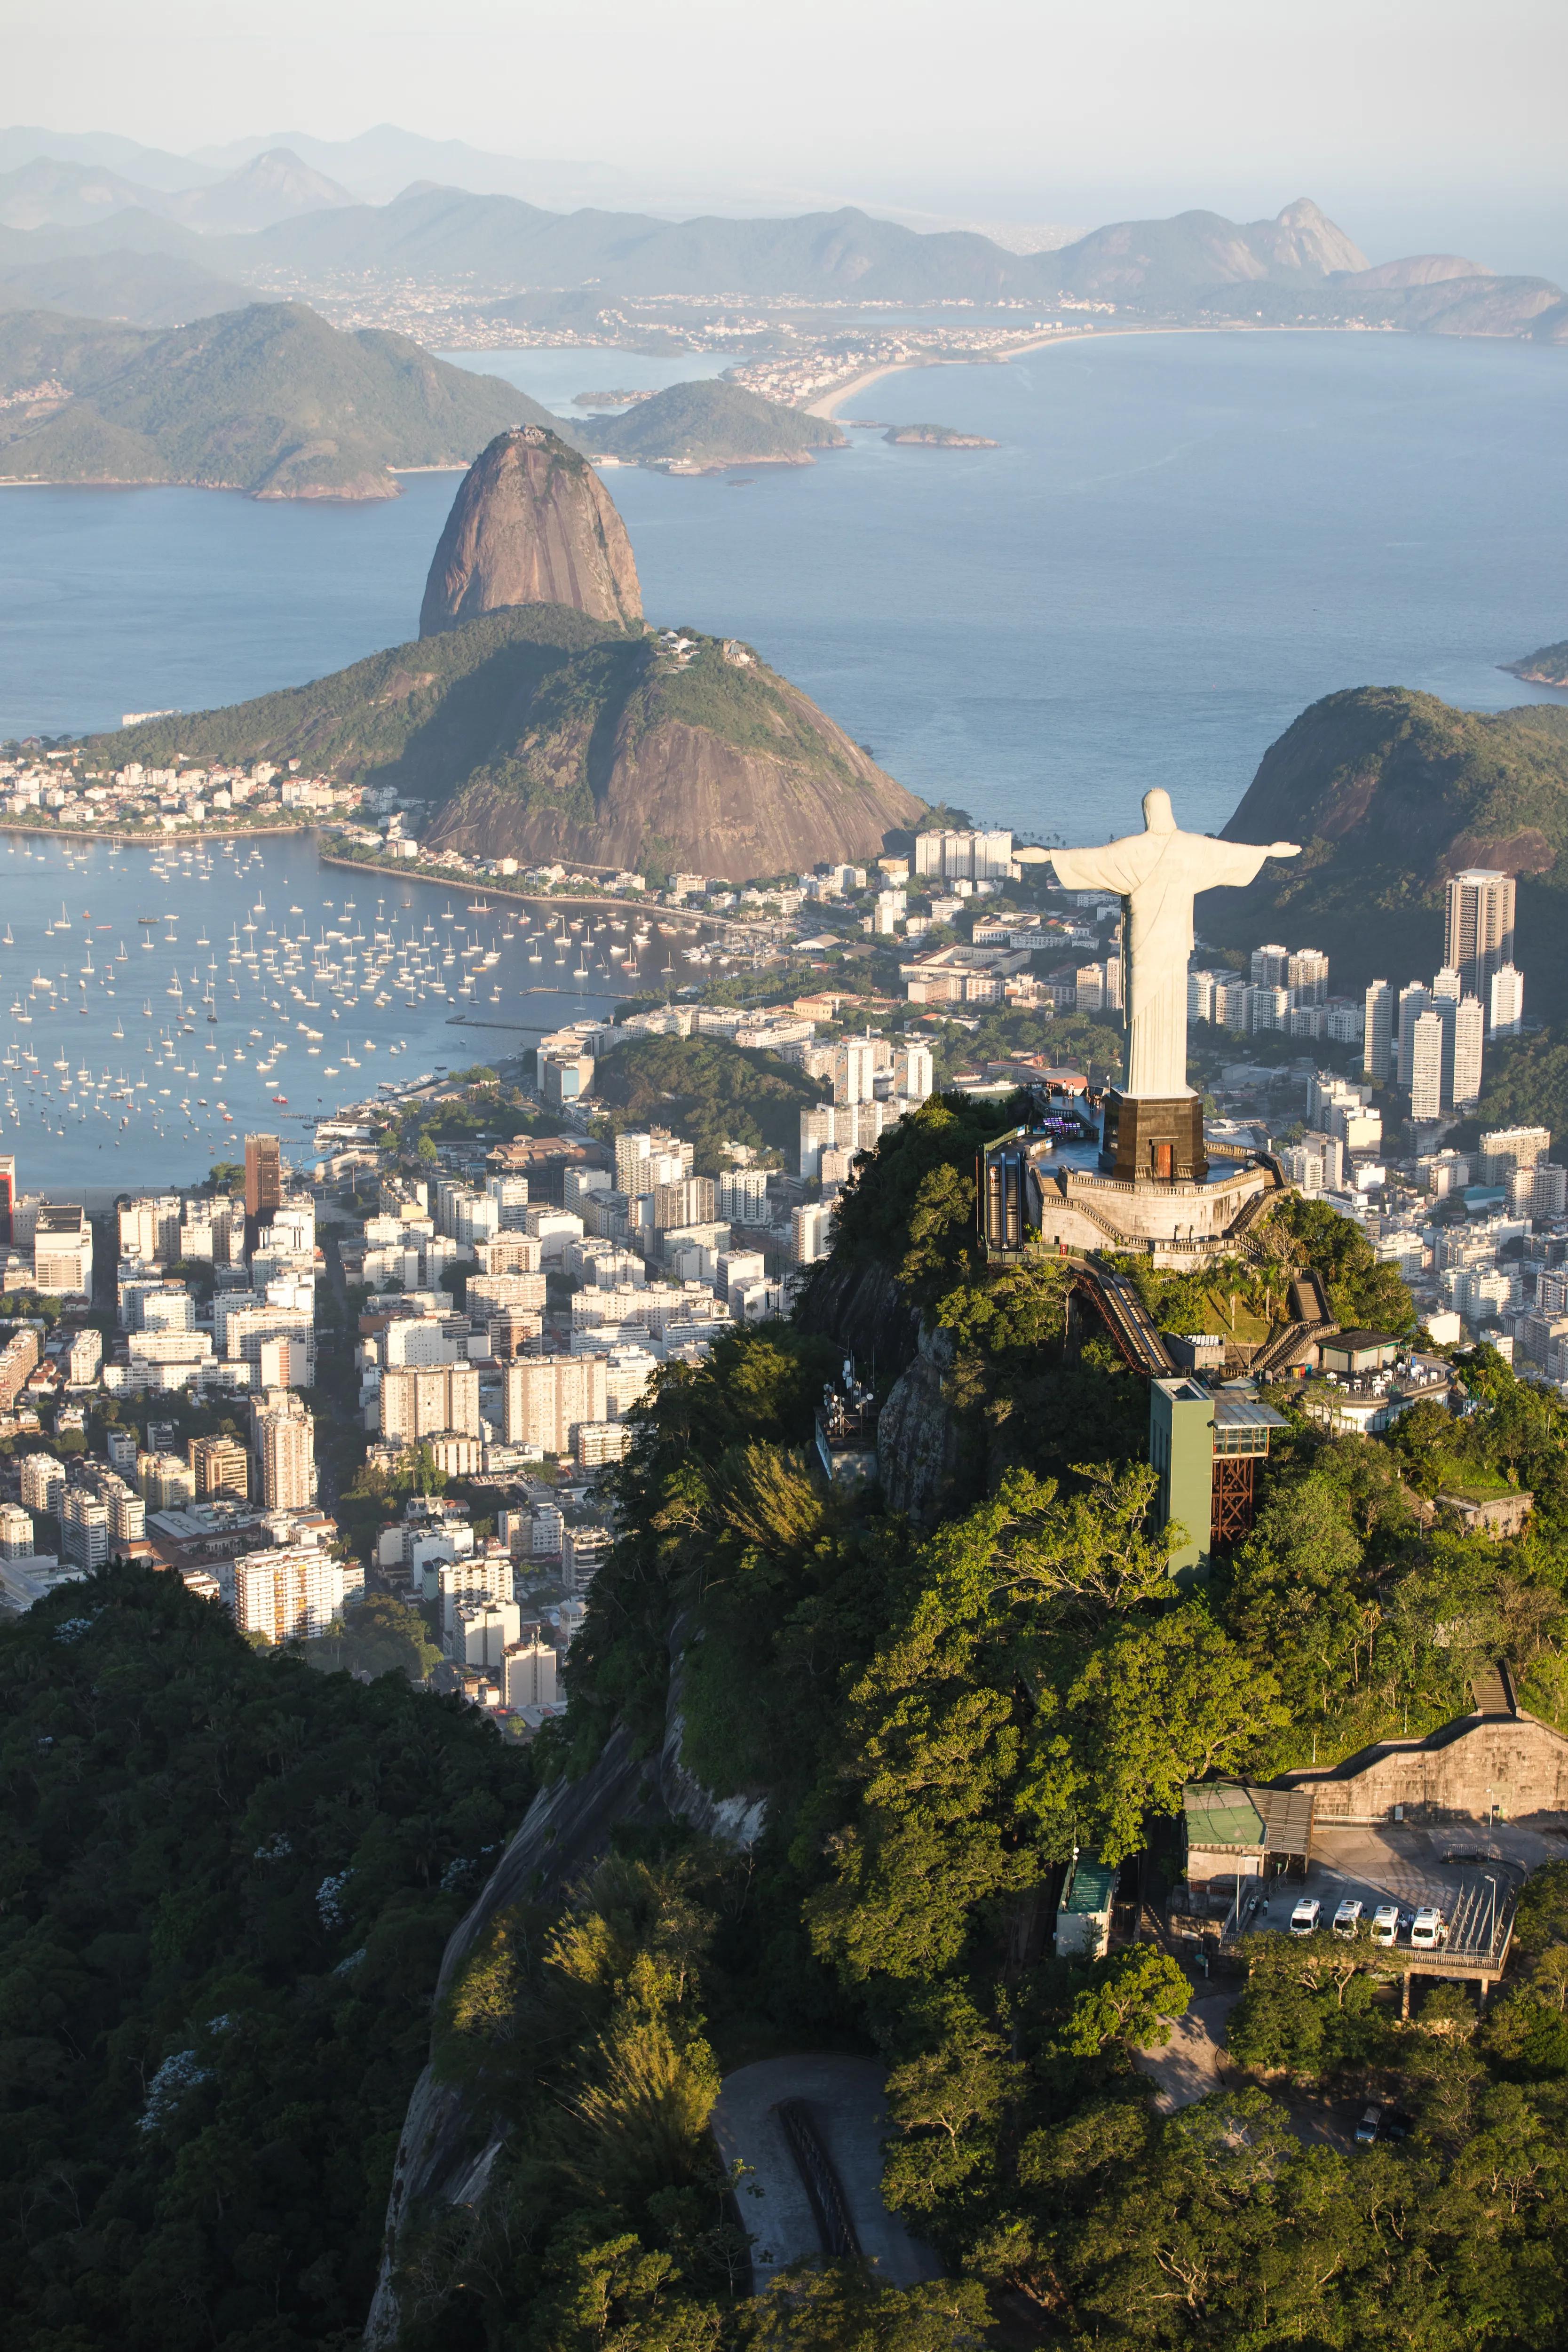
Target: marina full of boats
162, 1001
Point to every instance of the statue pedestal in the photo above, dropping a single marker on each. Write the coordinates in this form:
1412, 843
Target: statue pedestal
1150, 1139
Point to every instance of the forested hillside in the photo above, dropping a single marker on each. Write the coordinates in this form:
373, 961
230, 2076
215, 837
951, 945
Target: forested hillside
229, 1879
936, 1718
225, 1883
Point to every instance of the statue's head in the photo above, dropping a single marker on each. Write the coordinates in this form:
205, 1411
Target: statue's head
1158, 814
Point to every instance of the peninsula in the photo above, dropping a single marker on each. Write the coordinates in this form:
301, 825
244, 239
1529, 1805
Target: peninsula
537, 717
269, 400
1547, 665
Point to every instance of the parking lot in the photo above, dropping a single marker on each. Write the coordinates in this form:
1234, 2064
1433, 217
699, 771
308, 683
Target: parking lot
1400, 1863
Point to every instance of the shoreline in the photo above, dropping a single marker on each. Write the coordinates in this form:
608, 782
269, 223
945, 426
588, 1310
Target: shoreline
408, 871
825, 405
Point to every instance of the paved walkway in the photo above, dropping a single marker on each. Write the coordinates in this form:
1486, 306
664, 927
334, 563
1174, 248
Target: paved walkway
845, 2099
1192, 2062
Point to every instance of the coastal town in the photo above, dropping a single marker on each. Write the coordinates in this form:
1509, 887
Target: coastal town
396, 1370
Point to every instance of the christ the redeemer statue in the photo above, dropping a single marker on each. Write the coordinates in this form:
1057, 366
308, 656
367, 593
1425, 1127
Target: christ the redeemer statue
1159, 872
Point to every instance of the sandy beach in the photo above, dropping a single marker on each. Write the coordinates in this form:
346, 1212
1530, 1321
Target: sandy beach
829, 401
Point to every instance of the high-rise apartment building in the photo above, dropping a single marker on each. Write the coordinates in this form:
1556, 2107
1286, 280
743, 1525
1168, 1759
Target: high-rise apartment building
1269, 966
291, 1593
530, 1672
1427, 1037
483, 1631
220, 1466
913, 1073
809, 1231
691, 1201
548, 1396
742, 1196
423, 1400
973, 857
1464, 1073
1307, 976
1504, 1149
84, 1528
1413, 1002
284, 1436
1377, 1042
166, 1482
62, 1252
16, 1540
262, 1183
1477, 938
854, 1070
18, 1358
42, 1481
1505, 1002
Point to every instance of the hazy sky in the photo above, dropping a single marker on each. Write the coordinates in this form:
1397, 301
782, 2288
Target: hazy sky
1424, 122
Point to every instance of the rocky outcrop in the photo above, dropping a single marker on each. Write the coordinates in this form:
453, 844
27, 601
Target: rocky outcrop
531, 524
860, 1306
917, 1436
705, 751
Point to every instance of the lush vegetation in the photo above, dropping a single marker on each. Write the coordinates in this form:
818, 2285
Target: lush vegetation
226, 1886
413, 717
937, 1716
1524, 1084
709, 1091
937, 1712
1547, 665
710, 423
269, 399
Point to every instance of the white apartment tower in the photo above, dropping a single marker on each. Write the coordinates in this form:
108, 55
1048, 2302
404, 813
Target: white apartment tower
1478, 936
1469, 1029
1426, 1057
1377, 1048
1505, 1005
1413, 1002
286, 1453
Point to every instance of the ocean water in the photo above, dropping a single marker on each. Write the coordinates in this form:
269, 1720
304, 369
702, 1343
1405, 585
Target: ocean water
155, 1044
1179, 542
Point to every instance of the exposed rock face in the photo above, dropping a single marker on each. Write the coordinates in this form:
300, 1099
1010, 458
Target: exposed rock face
725, 766
1304, 239
918, 1439
532, 524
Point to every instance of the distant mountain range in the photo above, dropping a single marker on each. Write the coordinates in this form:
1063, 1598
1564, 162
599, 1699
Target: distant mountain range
46, 192
291, 210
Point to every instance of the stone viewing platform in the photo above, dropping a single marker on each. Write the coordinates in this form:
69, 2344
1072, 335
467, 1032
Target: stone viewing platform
1048, 1192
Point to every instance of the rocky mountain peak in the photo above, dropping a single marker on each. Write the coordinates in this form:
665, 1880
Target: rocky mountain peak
531, 524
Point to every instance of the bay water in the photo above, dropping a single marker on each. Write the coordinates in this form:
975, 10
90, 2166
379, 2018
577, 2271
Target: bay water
1179, 542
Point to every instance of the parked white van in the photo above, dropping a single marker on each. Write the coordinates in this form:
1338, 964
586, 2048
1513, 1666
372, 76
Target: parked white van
1347, 1919
1427, 1930
1305, 1916
1385, 1924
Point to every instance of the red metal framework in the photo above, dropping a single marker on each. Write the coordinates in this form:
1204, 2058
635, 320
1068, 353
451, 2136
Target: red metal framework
1233, 1504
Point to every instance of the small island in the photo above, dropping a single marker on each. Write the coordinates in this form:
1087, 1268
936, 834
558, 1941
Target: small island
935, 436
1547, 665
608, 399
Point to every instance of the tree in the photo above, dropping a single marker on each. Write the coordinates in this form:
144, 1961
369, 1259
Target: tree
1135, 1996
